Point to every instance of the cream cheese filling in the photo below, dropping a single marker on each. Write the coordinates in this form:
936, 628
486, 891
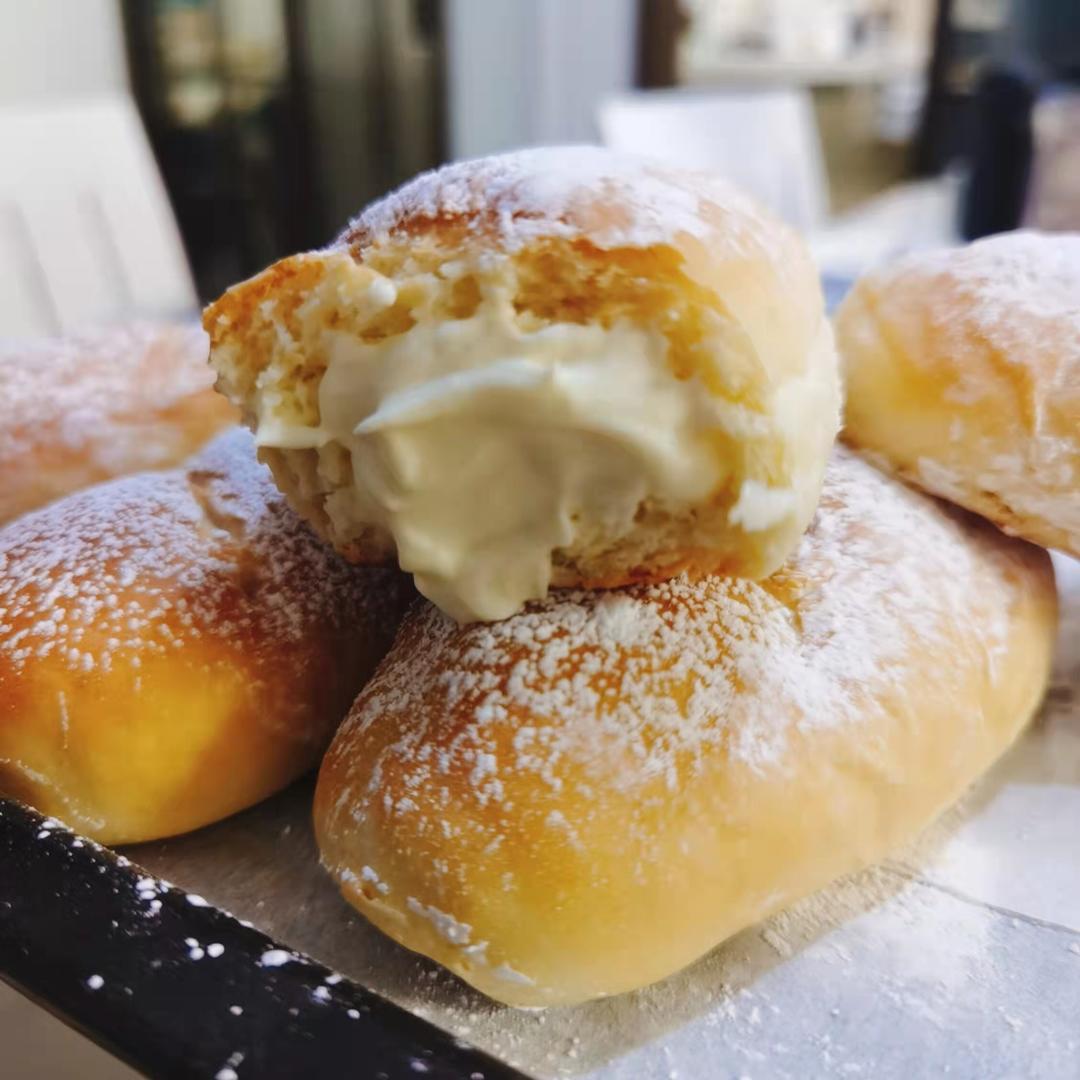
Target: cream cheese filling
482, 445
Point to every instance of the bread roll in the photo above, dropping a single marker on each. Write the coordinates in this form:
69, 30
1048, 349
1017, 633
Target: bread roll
76, 411
556, 366
586, 797
176, 646
963, 376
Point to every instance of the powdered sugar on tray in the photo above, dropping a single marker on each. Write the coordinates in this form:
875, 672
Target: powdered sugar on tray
617, 199
147, 564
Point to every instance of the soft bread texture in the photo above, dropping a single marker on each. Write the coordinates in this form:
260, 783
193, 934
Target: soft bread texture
963, 376
575, 249
176, 646
586, 797
77, 411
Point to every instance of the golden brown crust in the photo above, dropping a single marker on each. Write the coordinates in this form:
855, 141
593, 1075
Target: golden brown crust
77, 411
963, 377
176, 646
588, 796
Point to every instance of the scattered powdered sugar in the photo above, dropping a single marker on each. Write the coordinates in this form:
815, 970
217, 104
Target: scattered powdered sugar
275, 958
1021, 289
554, 191
150, 890
232, 1063
507, 974
70, 393
880, 569
1021, 492
457, 933
635, 689
147, 564
368, 875
1005, 315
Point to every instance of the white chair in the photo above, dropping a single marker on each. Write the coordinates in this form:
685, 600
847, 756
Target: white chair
765, 140
912, 216
86, 230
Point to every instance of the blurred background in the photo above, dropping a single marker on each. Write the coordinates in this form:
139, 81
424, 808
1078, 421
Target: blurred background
152, 152
157, 150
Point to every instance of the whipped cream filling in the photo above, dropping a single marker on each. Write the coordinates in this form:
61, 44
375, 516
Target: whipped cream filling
483, 446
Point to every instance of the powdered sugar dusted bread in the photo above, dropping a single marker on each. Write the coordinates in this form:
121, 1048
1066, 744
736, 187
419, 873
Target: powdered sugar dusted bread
963, 376
80, 410
176, 646
588, 796
558, 366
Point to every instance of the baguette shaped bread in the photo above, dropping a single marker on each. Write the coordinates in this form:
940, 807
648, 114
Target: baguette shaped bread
559, 366
963, 377
81, 410
587, 797
176, 646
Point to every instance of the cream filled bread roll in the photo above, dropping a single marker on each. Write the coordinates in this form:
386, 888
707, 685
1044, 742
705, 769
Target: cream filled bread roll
176, 646
79, 410
963, 376
586, 797
558, 366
